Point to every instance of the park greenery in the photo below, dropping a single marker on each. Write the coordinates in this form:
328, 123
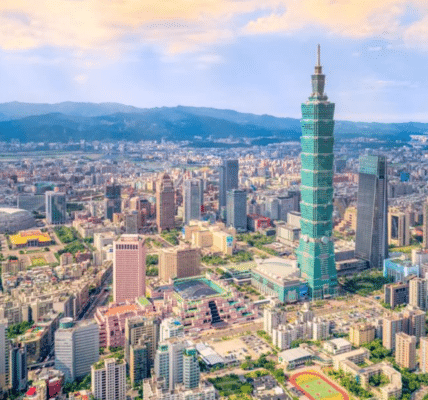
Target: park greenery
75, 207
378, 380
378, 353
171, 236
152, 259
228, 385
66, 234
258, 241
152, 271
18, 329
350, 384
365, 284
73, 248
263, 362
213, 259
78, 384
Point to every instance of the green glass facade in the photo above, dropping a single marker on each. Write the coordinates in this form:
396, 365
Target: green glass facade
316, 248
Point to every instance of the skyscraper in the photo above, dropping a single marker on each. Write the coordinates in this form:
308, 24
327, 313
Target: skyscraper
229, 172
56, 208
399, 228
236, 209
425, 228
129, 268
316, 249
371, 243
193, 199
4, 355
18, 367
112, 201
109, 379
165, 203
76, 348
141, 341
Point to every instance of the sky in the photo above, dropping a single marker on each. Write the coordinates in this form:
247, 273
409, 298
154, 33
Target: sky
252, 56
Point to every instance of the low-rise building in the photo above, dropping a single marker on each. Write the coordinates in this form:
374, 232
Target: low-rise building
337, 346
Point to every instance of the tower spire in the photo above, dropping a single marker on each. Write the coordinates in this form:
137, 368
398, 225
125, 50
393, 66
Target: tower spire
319, 56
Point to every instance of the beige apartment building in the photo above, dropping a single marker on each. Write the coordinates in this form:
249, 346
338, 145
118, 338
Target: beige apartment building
405, 350
360, 334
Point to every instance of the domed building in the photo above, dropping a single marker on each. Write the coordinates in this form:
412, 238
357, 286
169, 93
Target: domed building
15, 219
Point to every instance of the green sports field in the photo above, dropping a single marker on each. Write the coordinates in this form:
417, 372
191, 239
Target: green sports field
317, 387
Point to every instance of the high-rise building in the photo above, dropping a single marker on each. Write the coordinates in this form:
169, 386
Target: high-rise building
272, 318
56, 208
179, 262
361, 334
76, 348
425, 226
229, 173
18, 367
129, 268
405, 350
398, 228
4, 355
236, 209
109, 379
172, 365
316, 249
371, 242
169, 328
112, 200
141, 340
133, 222
396, 293
392, 325
165, 203
191, 371
418, 292
193, 196
423, 355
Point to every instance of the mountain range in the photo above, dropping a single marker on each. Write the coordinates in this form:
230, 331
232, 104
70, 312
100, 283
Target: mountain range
67, 121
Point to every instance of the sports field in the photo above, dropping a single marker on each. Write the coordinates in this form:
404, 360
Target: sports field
317, 387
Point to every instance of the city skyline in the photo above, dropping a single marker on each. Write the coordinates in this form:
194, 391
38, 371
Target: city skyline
245, 56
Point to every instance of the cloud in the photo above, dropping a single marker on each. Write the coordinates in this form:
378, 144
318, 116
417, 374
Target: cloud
81, 79
177, 26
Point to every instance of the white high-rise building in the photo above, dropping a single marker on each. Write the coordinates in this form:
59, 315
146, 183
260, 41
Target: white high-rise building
169, 328
76, 348
109, 379
175, 362
272, 318
320, 329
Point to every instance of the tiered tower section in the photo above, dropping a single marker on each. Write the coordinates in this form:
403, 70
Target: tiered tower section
316, 249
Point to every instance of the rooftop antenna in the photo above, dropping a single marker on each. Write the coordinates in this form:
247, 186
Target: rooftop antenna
319, 56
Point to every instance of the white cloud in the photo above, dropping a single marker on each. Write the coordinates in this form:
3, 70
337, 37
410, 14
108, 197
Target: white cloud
81, 79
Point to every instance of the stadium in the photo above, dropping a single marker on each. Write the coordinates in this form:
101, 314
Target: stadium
205, 303
15, 219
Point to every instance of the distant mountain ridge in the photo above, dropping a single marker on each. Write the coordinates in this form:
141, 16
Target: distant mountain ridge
113, 121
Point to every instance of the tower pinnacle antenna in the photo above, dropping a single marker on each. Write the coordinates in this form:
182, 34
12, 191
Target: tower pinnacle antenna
319, 56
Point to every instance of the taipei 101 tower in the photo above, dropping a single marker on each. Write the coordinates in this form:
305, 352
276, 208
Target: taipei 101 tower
316, 249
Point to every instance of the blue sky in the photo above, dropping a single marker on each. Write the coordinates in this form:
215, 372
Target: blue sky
245, 55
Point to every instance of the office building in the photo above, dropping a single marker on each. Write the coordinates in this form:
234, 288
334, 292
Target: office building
229, 173
193, 197
423, 355
18, 367
418, 292
179, 262
4, 355
398, 228
361, 334
236, 210
112, 200
133, 222
316, 249
129, 268
405, 351
141, 341
76, 348
109, 379
371, 240
56, 208
165, 203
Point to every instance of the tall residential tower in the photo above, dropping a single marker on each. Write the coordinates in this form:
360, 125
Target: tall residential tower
316, 248
165, 203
